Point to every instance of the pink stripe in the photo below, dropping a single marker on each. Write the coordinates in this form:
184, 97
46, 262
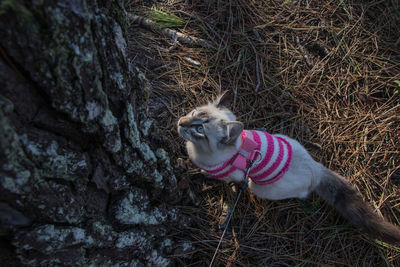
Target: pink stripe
268, 154
223, 166
256, 139
270, 181
273, 166
276, 178
225, 174
227, 169
232, 169
290, 153
285, 167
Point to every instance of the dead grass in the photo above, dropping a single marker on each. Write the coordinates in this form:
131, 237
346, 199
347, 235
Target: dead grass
322, 72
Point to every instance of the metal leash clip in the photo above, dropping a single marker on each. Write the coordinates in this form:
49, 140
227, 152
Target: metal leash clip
253, 162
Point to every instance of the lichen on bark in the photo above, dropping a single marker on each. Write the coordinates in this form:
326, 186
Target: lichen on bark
78, 151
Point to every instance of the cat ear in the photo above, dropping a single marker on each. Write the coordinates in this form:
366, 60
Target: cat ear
224, 100
232, 131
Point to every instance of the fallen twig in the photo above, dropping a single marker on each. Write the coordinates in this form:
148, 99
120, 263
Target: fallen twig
211, 29
183, 38
192, 61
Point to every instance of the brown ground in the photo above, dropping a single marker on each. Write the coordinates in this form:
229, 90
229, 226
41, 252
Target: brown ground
323, 72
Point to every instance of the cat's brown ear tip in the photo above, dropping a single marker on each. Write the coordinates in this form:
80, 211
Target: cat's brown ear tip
224, 100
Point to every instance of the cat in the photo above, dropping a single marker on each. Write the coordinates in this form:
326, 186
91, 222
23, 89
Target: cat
217, 143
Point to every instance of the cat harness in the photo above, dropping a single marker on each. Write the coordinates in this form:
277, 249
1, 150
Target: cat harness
276, 155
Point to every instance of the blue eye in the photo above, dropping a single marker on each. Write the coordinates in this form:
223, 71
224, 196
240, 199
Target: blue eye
200, 129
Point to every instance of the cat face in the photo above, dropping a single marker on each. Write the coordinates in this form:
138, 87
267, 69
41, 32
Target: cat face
211, 127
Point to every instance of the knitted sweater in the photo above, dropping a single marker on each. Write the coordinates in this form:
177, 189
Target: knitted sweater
276, 155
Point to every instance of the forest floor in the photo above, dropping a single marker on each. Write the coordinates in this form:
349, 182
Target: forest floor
326, 73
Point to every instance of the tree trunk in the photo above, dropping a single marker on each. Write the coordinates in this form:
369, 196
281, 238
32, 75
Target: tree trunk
81, 178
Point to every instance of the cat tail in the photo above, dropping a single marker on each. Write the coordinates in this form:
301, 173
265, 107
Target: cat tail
337, 191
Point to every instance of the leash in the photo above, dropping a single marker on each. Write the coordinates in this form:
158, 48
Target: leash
242, 188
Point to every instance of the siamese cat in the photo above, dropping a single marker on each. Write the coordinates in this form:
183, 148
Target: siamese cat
218, 144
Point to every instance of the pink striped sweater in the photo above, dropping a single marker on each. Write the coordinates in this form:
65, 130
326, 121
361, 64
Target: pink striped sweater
276, 155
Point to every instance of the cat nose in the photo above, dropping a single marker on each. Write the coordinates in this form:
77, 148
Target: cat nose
184, 122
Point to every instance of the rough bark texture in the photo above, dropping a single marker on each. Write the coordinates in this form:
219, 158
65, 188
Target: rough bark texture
81, 178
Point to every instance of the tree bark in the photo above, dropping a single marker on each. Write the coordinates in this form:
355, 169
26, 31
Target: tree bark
82, 178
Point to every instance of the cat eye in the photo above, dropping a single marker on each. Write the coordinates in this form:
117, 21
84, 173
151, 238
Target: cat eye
200, 129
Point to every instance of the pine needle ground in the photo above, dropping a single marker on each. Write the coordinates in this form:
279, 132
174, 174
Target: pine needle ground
323, 72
